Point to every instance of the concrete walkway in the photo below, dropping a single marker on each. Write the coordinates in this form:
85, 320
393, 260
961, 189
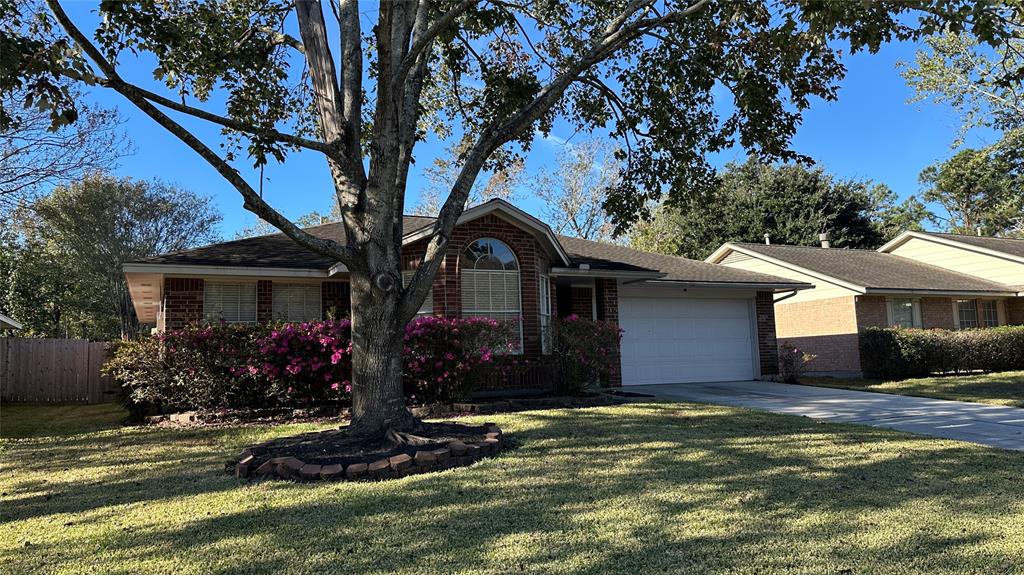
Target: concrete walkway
990, 425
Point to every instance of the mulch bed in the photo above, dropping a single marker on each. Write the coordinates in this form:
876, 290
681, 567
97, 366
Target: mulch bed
337, 455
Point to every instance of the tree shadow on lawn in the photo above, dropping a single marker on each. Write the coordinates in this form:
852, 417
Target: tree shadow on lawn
640, 488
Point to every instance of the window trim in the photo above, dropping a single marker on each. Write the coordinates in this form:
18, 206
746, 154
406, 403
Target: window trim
979, 317
915, 311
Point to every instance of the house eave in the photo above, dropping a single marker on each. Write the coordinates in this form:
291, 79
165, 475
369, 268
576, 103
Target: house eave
243, 271
624, 274
774, 287
939, 292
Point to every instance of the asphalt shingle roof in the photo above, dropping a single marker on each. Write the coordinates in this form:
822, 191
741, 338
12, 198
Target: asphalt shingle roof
1014, 247
279, 251
871, 269
605, 256
272, 251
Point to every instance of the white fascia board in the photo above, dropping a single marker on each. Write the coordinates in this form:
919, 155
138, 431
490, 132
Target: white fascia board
906, 236
737, 285
814, 274
940, 293
576, 272
507, 209
196, 270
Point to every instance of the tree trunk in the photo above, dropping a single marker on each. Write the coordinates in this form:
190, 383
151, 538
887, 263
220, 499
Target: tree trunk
378, 402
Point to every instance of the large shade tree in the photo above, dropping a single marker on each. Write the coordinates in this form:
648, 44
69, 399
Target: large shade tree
361, 84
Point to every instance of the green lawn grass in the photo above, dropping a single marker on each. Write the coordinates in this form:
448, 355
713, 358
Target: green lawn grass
28, 420
637, 489
1004, 388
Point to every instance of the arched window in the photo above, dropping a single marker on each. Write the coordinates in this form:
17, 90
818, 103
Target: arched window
489, 273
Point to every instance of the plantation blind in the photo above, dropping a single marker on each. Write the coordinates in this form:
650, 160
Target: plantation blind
233, 302
296, 302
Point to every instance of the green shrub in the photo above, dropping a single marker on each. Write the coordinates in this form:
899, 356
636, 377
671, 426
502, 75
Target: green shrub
899, 353
585, 352
792, 362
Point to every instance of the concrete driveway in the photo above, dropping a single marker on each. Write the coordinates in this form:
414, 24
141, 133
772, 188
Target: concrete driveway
975, 422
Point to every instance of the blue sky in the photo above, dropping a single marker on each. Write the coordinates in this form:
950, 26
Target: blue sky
869, 133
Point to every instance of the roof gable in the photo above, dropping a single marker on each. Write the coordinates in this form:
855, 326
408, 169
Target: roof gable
865, 270
1008, 248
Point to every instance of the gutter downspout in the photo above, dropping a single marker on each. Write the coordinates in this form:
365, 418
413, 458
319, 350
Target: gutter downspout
787, 296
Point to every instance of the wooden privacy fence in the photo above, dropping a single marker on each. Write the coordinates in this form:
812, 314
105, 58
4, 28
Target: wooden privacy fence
54, 371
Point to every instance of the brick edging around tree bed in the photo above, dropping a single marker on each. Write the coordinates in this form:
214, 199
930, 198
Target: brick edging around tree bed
453, 454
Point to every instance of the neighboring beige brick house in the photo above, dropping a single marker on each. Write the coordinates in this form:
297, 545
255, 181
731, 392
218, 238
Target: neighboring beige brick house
919, 279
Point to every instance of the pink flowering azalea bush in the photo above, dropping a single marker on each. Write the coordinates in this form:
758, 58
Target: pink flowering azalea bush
196, 367
445, 357
310, 362
237, 366
586, 353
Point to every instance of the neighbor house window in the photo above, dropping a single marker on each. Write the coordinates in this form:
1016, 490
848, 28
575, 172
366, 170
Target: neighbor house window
489, 273
966, 313
904, 312
544, 285
428, 302
989, 312
233, 302
296, 302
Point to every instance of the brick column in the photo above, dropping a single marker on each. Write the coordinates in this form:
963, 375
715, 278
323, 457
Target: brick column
335, 299
607, 294
264, 301
767, 347
183, 302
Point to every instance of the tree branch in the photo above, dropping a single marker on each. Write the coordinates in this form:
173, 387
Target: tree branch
422, 41
252, 200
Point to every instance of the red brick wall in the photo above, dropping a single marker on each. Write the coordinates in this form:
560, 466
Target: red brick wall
825, 328
767, 347
1014, 311
607, 294
581, 301
183, 302
335, 300
264, 301
447, 298
937, 312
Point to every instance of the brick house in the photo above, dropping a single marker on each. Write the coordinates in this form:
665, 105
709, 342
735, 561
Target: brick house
919, 279
683, 320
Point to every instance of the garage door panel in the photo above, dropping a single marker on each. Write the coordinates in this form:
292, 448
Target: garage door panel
681, 339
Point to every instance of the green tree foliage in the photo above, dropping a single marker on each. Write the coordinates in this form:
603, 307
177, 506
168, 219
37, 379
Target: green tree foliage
62, 258
790, 203
672, 80
978, 190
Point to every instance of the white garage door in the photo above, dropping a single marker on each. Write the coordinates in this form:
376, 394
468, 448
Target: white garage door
685, 339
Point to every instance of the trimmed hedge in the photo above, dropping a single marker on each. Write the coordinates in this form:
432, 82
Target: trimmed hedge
899, 353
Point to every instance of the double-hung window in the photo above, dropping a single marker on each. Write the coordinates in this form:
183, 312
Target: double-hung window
904, 312
489, 275
966, 313
296, 302
989, 309
232, 302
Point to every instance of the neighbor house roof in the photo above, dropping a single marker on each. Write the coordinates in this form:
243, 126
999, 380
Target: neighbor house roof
1004, 247
7, 323
613, 257
866, 270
